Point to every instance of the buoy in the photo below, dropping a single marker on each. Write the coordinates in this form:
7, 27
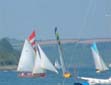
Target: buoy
67, 75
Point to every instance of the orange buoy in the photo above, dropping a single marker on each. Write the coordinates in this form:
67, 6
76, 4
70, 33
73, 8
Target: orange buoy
67, 75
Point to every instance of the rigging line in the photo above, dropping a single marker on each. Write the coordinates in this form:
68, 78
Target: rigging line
85, 18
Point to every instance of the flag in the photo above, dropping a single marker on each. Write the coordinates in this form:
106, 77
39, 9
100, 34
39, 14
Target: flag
31, 39
57, 36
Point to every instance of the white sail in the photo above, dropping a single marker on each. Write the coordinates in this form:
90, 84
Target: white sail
99, 63
57, 65
45, 62
37, 66
27, 57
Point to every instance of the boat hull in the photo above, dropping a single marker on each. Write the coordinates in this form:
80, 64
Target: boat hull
30, 75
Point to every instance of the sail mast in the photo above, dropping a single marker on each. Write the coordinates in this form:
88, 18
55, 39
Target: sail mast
60, 51
65, 73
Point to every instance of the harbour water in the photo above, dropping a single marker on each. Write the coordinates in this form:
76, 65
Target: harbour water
11, 78
78, 60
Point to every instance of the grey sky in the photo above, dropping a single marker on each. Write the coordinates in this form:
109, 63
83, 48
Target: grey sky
74, 18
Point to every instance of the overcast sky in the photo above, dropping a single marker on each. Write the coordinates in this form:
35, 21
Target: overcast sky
74, 18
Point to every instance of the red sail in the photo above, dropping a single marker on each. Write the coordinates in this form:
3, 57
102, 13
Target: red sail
31, 39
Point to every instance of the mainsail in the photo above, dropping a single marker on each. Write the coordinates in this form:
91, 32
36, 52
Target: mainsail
27, 57
99, 63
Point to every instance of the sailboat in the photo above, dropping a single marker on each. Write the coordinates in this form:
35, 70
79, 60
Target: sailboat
66, 74
33, 61
99, 63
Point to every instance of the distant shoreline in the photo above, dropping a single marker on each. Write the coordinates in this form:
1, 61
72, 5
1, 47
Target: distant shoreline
8, 68
87, 41
19, 43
